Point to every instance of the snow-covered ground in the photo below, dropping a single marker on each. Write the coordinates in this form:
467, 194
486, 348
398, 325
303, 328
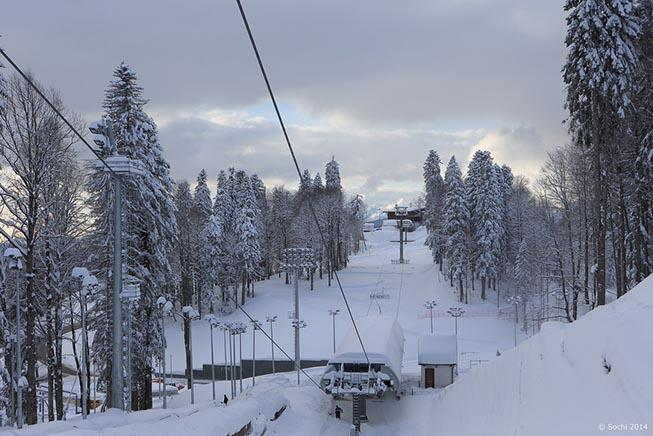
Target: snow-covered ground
408, 286
566, 380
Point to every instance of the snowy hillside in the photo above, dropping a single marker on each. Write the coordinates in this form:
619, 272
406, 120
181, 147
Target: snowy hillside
567, 380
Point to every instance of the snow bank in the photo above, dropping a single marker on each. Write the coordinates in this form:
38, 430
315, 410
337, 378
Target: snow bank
257, 406
570, 379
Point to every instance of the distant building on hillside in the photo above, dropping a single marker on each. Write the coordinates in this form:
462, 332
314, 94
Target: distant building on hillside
437, 357
415, 214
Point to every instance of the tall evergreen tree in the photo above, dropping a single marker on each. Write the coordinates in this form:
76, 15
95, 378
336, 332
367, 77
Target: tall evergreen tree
150, 227
455, 224
484, 203
434, 200
599, 74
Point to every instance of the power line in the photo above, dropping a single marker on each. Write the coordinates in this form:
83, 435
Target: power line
299, 172
54, 108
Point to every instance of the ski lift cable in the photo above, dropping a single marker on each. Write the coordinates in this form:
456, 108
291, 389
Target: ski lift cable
76, 132
54, 108
299, 172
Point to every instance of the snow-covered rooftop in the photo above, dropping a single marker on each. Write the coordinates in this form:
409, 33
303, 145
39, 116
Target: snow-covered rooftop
436, 350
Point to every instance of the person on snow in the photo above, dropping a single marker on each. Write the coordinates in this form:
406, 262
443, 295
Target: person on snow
338, 411
225, 400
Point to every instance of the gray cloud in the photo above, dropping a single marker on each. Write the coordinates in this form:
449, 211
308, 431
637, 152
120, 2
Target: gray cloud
377, 83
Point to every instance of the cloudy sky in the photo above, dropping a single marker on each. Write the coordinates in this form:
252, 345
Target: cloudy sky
375, 83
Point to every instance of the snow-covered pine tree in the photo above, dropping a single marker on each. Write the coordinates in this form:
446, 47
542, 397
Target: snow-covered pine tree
434, 187
223, 241
456, 217
265, 235
317, 182
334, 210
640, 238
245, 225
281, 214
599, 74
484, 198
150, 224
200, 215
184, 259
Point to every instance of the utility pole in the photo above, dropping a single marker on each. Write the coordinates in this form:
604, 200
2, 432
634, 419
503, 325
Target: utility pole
333, 313
295, 260
13, 256
119, 166
430, 305
190, 314
298, 324
272, 320
88, 281
165, 306
213, 322
130, 294
255, 326
456, 312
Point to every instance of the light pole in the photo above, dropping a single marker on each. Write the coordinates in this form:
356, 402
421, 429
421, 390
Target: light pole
430, 305
190, 314
255, 326
88, 281
298, 324
131, 293
272, 319
401, 212
333, 313
232, 353
165, 306
515, 299
13, 256
456, 312
225, 328
295, 260
119, 166
213, 322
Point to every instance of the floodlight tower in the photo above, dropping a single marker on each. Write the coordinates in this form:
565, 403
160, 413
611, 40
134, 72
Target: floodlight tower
295, 260
430, 305
333, 314
272, 319
401, 212
119, 166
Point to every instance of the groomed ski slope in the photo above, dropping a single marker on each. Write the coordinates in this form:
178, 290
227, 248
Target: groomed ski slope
555, 383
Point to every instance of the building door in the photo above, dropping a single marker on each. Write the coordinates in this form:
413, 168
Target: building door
429, 377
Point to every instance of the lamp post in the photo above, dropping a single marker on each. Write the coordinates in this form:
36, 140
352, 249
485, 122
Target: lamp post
298, 324
13, 256
225, 328
333, 313
295, 260
88, 281
430, 305
515, 300
255, 326
401, 212
456, 312
232, 353
165, 307
213, 322
119, 166
190, 314
271, 320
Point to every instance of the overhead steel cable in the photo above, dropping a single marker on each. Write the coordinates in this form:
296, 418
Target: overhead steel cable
299, 172
54, 108
79, 135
